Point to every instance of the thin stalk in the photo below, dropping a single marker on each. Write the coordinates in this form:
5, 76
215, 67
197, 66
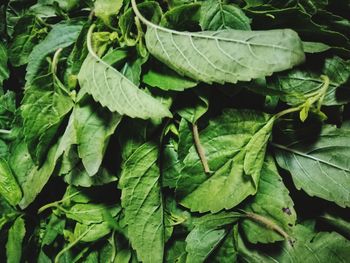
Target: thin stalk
56, 203
267, 223
64, 250
200, 148
5, 131
55, 60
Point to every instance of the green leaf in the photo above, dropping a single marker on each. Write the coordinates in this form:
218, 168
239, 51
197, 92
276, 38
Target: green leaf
319, 165
309, 246
226, 252
176, 252
271, 201
105, 9
183, 17
9, 187
208, 232
94, 127
35, 177
7, 109
95, 233
44, 106
28, 32
216, 15
113, 90
315, 47
4, 71
198, 107
62, 35
90, 213
53, 228
142, 203
14, 241
297, 85
233, 132
228, 55
166, 79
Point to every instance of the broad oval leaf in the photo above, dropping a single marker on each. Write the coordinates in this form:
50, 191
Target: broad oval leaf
320, 166
113, 90
226, 55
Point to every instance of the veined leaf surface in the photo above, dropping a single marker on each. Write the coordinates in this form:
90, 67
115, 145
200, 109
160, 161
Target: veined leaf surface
113, 90
226, 55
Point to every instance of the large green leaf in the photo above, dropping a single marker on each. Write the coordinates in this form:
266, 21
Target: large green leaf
62, 35
271, 201
236, 165
319, 165
307, 247
44, 106
216, 15
94, 127
208, 232
113, 90
4, 71
224, 56
14, 241
142, 202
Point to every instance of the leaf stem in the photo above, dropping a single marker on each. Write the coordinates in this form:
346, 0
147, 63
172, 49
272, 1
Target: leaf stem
267, 223
200, 148
64, 250
56, 203
55, 60
3, 131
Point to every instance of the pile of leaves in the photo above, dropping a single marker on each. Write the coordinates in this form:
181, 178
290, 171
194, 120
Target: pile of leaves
174, 131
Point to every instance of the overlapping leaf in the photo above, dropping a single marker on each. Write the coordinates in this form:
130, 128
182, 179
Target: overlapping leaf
320, 165
226, 143
229, 55
142, 202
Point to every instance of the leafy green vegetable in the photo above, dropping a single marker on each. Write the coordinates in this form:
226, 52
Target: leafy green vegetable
313, 166
141, 199
174, 131
9, 188
109, 87
14, 242
4, 72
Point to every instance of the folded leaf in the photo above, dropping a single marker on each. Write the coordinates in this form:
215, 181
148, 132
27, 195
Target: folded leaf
94, 127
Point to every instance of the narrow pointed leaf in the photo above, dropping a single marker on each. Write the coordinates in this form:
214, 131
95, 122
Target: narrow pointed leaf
113, 90
142, 202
